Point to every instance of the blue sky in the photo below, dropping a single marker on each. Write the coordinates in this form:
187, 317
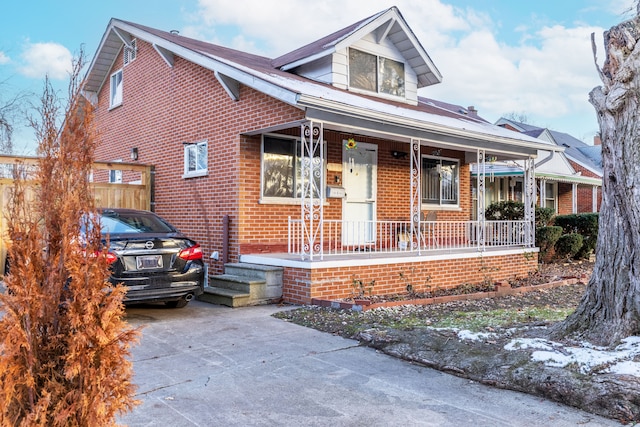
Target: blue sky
501, 56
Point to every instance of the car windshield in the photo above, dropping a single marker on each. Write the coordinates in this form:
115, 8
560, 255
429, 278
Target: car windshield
127, 223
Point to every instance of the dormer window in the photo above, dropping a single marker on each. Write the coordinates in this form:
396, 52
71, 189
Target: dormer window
375, 73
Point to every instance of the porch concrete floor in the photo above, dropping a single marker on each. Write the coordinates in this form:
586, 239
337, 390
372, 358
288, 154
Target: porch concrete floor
373, 257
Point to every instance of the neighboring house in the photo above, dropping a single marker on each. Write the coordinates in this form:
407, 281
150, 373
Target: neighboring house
569, 182
323, 162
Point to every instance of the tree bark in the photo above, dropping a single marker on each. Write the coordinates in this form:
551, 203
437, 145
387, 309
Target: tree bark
610, 308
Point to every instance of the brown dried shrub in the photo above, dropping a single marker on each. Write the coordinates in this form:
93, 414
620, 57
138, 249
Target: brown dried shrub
63, 341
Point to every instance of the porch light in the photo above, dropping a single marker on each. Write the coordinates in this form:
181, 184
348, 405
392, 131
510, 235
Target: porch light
398, 154
134, 153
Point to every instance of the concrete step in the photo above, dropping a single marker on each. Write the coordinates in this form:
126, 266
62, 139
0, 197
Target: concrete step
224, 296
270, 274
244, 284
235, 282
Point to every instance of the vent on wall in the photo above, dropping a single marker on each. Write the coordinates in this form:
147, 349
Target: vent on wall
130, 52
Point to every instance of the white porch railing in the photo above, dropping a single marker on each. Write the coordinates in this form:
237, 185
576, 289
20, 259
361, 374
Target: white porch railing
349, 237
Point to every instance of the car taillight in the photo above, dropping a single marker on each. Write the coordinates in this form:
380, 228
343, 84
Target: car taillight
192, 253
111, 257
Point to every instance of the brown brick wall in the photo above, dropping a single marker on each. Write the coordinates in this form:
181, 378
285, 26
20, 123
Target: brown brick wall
301, 285
164, 107
565, 198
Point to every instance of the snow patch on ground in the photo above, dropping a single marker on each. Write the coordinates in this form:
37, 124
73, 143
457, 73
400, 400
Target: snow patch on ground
588, 358
474, 336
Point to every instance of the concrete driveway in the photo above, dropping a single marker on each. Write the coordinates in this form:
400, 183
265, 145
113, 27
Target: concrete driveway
208, 365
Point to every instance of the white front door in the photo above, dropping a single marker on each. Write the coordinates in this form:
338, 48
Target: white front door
359, 178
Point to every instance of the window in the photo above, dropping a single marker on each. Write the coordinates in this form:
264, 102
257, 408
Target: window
195, 159
116, 89
129, 53
281, 168
375, 73
550, 195
440, 181
115, 176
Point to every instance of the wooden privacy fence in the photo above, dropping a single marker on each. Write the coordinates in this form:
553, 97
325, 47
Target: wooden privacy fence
115, 185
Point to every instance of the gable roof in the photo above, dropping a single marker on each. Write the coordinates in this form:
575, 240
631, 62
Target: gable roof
388, 23
588, 156
339, 108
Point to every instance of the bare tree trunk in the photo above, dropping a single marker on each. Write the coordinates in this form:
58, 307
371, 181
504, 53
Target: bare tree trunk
610, 309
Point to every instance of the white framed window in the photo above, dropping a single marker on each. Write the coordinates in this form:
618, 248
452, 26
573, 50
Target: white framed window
440, 181
376, 73
129, 52
195, 159
115, 176
551, 195
115, 98
281, 168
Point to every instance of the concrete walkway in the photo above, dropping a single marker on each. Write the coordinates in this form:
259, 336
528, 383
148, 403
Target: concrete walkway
208, 365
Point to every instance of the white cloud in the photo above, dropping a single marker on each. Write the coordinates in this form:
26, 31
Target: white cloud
4, 59
284, 25
52, 59
546, 74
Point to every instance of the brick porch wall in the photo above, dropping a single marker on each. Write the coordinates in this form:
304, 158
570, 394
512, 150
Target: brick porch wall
301, 285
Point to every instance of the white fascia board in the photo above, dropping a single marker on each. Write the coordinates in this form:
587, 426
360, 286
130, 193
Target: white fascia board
308, 59
421, 124
103, 41
216, 65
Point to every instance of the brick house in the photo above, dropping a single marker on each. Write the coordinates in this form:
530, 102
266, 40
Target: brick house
569, 182
324, 162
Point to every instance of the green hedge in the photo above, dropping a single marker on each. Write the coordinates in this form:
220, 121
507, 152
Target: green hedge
513, 211
546, 238
584, 224
568, 245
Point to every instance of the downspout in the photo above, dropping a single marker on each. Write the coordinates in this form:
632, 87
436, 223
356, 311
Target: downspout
546, 159
225, 239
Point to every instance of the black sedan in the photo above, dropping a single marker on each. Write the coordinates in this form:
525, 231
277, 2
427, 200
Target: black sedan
154, 260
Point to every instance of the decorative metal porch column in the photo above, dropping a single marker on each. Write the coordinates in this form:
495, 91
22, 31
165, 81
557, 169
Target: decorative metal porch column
416, 199
530, 201
480, 204
312, 197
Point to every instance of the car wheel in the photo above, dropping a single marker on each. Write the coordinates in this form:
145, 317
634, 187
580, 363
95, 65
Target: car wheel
182, 302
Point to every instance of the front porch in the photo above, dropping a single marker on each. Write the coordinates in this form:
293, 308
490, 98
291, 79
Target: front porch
388, 273
380, 212
384, 257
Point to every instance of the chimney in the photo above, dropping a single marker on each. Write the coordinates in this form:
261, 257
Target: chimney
597, 140
472, 111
